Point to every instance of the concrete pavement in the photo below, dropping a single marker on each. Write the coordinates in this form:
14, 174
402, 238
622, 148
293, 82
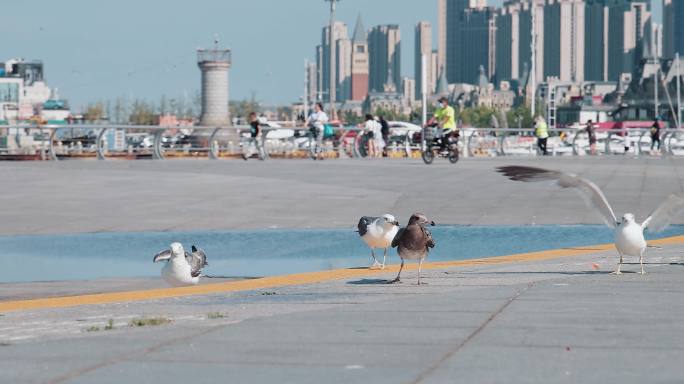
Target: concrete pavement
559, 320
91, 196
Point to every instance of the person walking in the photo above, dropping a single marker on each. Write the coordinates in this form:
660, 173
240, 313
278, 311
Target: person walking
591, 132
542, 133
254, 135
372, 130
655, 136
385, 134
316, 123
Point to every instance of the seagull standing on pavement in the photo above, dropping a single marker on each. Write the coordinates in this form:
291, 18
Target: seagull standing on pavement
414, 242
629, 235
182, 268
378, 232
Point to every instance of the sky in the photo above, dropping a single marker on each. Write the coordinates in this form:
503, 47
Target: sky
100, 50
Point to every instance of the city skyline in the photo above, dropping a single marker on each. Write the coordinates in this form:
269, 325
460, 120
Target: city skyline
146, 55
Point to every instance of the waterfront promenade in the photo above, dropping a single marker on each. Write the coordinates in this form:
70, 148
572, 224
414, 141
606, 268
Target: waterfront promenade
546, 317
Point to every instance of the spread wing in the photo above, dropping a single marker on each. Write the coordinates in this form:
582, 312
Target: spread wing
197, 260
364, 222
589, 191
665, 214
395, 241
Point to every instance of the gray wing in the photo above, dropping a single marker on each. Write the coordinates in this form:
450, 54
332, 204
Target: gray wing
665, 214
589, 191
364, 222
197, 260
397, 237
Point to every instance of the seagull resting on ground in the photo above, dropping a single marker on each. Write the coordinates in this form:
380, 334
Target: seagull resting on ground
182, 268
378, 232
629, 235
413, 242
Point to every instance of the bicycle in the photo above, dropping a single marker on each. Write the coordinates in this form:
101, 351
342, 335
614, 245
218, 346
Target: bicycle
432, 145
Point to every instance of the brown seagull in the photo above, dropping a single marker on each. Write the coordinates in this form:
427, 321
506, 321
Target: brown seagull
413, 242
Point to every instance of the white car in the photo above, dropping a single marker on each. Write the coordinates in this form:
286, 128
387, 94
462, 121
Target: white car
401, 128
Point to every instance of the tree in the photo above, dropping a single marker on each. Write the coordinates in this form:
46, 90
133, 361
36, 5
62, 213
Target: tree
142, 113
94, 112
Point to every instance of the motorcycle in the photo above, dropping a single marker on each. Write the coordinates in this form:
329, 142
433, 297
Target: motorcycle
435, 143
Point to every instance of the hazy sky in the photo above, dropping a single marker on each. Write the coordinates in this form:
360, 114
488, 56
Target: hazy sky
103, 49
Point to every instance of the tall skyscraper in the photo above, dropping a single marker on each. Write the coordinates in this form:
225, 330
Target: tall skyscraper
629, 24
673, 28
359, 62
424, 48
312, 83
384, 46
508, 41
342, 46
471, 40
564, 30
596, 41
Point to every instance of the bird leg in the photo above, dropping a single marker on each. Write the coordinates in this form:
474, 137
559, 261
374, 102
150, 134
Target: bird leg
375, 264
420, 268
617, 272
399, 274
641, 261
384, 259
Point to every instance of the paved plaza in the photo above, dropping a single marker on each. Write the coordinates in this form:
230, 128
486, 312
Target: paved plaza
547, 317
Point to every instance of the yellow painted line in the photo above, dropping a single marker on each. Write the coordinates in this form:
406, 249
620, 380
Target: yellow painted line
296, 279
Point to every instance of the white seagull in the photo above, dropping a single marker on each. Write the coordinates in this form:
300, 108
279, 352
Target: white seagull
182, 268
378, 232
629, 235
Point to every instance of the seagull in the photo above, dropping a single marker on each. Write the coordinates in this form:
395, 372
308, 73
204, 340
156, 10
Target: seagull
629, 235
378, 232
414, 242
182, 268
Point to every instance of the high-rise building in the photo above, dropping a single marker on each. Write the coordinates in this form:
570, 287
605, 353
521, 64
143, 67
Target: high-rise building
359, 62
673, 28
471, 40
342, 46
564, 30
508, 41
384, 47
629, 24
596, 41
312, 82
514, 40
424, 48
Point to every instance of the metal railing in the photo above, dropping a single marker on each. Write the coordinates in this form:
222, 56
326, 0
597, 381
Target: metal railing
55, 142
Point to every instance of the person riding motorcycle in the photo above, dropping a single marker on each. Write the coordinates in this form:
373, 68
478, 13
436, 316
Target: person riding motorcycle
445, 117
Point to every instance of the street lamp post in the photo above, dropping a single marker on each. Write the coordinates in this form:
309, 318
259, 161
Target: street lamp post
332, 92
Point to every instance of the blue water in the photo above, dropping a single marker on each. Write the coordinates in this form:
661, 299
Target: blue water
266, 252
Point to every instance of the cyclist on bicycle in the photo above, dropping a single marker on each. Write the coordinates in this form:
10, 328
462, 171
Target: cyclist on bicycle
445, 116
316, 122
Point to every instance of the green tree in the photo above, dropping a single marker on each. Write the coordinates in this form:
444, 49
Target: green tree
142, 113
94, 112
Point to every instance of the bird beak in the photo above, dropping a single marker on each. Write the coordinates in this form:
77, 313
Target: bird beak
396, 222
432, 223
162, 256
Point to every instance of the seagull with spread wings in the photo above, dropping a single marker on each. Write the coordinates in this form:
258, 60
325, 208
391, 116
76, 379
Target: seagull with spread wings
182, 268
629, 235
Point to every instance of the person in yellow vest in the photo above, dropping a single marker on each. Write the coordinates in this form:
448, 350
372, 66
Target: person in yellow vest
446, 118
541, 131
